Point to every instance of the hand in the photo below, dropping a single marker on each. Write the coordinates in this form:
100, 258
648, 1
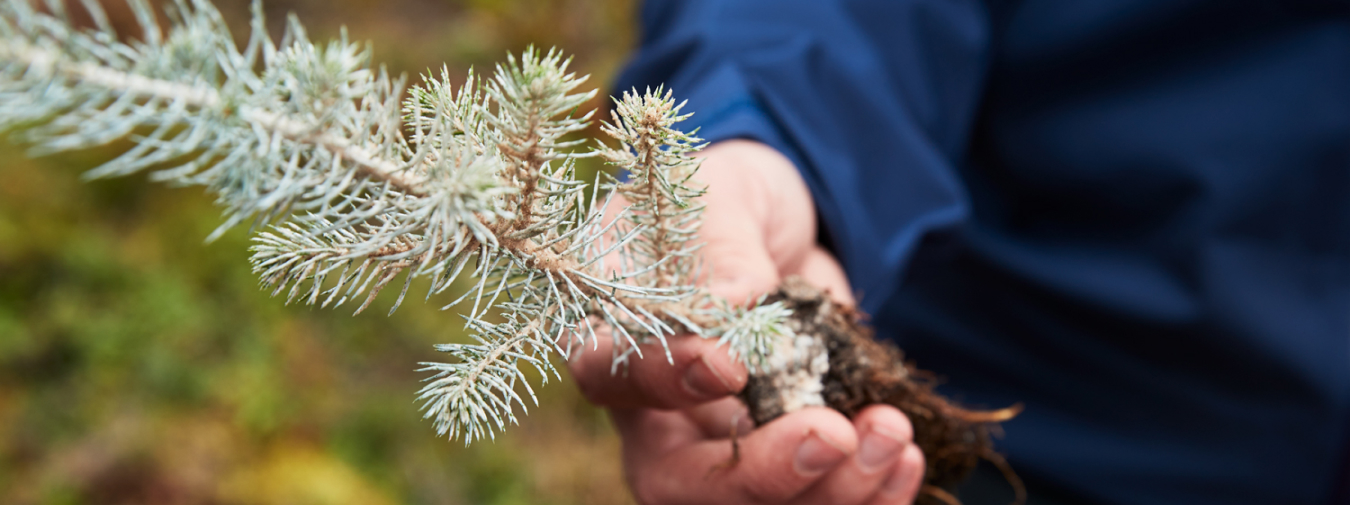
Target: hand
676, 419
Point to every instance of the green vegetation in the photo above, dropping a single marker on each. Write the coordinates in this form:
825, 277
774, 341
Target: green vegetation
138, 365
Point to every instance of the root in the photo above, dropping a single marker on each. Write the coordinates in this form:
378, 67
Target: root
938, 494
1019, 489
735, 457
864, 372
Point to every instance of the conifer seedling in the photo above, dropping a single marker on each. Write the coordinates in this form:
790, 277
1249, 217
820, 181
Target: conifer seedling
354, 188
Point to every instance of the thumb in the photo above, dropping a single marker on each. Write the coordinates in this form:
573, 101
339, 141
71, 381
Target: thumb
740, 267
759, 220
738, 262
823, 271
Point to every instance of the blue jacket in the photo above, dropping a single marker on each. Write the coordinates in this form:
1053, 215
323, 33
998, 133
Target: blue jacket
1133, 216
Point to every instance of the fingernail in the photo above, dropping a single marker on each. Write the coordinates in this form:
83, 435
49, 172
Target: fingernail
703, 381
878, 450
817, 455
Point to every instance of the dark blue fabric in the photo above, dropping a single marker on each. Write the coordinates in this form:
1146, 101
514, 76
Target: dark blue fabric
1132, 216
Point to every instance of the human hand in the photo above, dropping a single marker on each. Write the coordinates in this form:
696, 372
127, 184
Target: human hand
676, 419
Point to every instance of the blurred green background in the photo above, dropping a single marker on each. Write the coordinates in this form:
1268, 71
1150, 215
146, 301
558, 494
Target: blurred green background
140, 365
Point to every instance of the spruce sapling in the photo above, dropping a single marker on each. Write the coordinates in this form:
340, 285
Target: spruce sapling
353, 188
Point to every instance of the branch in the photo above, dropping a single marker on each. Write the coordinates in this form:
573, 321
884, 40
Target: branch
310, 139
203, 97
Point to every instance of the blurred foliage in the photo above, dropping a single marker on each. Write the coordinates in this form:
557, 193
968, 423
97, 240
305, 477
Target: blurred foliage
139, 365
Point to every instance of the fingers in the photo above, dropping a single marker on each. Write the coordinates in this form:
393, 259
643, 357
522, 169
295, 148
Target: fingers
744, 241
740, 267
884, 436
809, 457
761, 224
902, 486
700, 372
723, 418
777, 462
758, 217
734, 251
820, 269
757, 181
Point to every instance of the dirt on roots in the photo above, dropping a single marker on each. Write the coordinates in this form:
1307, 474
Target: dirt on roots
864, 371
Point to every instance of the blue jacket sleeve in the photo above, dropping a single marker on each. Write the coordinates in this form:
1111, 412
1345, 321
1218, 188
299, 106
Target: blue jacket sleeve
872, 99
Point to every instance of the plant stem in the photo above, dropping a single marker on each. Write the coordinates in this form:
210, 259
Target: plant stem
367, 162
